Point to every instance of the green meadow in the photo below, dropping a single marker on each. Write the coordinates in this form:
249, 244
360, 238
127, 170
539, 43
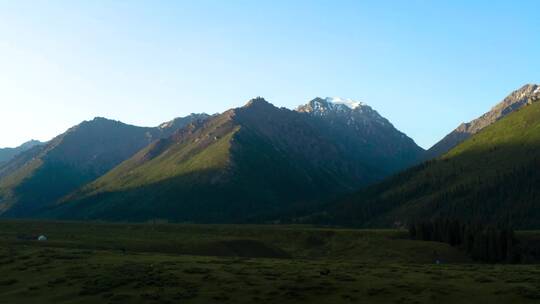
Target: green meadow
88, 262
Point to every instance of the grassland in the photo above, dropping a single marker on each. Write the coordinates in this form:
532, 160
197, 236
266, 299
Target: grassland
166, 263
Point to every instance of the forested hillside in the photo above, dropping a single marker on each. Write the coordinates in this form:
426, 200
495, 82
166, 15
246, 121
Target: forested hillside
491, 177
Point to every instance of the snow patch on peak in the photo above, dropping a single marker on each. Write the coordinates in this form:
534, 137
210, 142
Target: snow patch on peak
350, 103
166, 125
537, 90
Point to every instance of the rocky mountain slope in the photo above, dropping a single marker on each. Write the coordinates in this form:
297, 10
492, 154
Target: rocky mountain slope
363, 129
516, 100
247, 164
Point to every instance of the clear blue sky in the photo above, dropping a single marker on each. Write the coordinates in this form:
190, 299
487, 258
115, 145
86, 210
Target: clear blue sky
425, 65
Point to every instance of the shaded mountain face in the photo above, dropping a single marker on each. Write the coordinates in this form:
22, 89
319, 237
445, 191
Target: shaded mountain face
248, 164
492, 176
516, 100
363, 130
6, 154
43, 174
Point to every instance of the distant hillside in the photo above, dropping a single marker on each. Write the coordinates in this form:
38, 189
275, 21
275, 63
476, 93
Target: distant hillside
247, 164
516, 100
43, 174
6, 154
491, 176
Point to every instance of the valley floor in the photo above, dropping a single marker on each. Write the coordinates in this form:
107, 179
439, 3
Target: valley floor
165, 263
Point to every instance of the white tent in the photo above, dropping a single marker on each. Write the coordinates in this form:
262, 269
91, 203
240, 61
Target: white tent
42, 238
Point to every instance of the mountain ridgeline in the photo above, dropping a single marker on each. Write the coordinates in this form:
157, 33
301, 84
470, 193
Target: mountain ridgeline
491, 177
248, 164
7, 154
516, 100
37, 178
260, 163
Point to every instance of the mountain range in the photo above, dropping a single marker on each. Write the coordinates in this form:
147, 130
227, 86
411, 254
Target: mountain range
331, 160
43, 174
248, 164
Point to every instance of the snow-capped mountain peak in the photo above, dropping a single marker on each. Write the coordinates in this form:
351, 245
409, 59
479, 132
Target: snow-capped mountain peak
344, 109
333, 104
352, 104
166, 125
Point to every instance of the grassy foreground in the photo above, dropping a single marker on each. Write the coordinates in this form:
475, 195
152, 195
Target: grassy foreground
166, 263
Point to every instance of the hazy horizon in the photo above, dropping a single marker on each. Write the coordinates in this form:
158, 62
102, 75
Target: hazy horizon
424, 66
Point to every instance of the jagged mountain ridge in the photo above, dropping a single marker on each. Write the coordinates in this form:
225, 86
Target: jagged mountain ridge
527, 94
248, 163
381, 143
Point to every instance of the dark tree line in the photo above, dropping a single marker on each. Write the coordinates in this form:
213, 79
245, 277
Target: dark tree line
483, 242
446, 188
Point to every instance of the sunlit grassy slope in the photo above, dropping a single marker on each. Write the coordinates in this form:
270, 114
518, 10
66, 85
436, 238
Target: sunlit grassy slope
199, 148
